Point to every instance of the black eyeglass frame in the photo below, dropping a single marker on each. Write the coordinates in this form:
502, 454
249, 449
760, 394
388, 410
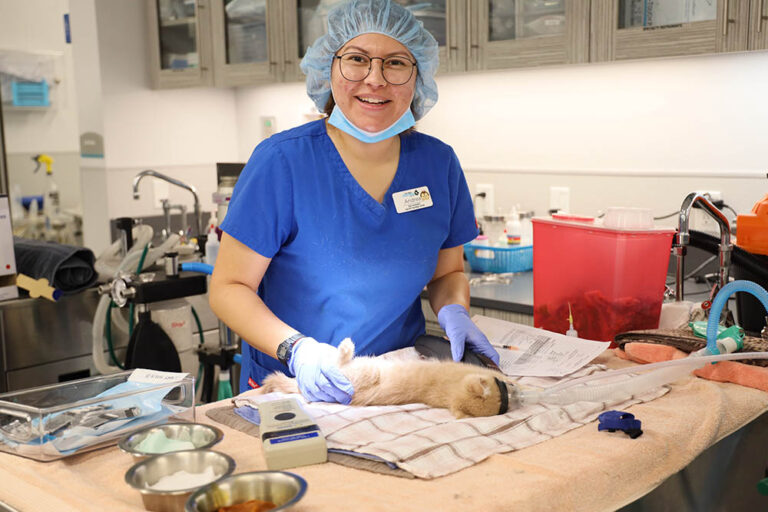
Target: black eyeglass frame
370, 66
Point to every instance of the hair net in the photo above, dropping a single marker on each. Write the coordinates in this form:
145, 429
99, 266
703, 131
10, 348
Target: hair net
356, 17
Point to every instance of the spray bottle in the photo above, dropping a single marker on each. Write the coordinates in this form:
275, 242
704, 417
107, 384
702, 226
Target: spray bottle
51, 200
514, 229
212, 244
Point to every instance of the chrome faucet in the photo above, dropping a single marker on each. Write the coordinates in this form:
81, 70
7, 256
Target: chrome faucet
683, 237
193, 190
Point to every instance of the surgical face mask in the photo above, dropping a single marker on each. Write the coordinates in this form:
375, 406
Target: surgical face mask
340, 121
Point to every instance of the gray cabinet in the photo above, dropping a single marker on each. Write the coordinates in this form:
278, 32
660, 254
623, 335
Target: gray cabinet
248, 42
306, 20
507, 34
633, 29
758, 25
479, 34
224, 43
179, 43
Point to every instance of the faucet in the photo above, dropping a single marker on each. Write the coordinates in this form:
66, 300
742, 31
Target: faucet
167, 209
682, 239
193, 190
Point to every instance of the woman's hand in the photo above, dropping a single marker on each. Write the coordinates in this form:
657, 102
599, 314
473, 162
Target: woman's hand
315, 366
461, 331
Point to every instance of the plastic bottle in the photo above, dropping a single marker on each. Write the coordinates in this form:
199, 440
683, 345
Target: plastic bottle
514, 228
212, 244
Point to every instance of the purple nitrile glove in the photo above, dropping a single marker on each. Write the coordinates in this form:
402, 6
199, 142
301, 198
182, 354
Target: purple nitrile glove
315, 366
461, 331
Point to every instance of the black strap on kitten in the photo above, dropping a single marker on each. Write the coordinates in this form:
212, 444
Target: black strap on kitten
504, 406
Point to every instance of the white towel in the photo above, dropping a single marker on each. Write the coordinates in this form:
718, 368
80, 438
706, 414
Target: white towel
429, 442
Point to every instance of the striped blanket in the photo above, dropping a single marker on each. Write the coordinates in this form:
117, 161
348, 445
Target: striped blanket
430, 443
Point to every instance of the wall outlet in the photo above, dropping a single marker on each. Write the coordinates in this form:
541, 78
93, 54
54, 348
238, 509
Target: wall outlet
560, 199
714, 195
484, 205
160, 191
701, 220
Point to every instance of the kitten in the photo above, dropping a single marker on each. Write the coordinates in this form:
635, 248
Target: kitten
466, 390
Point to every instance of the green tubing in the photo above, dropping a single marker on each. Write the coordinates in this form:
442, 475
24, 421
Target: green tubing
108, 333
108, 322
141, 260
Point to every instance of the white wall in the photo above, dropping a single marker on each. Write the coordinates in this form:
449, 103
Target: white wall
180, 132
37, 27
641, 133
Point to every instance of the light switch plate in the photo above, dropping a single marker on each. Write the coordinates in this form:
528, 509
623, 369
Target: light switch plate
268, 126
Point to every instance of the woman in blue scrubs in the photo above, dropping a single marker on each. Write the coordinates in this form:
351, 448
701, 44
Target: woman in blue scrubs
336, 226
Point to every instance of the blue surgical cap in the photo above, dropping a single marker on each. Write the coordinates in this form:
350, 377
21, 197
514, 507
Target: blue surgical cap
356, 17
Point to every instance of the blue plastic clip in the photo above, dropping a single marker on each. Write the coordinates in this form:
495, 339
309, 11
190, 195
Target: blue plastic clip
619, 420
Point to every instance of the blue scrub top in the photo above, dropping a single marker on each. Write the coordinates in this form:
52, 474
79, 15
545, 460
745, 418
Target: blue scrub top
343, 264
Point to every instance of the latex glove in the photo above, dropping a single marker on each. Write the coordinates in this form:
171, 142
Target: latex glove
461, 331
315, 366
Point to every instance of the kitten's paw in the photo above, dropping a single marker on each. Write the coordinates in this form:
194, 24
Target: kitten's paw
346, 351
478, 386
478, 396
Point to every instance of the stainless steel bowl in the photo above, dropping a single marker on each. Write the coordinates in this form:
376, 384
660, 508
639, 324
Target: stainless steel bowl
202, 436
149, 471
280, 487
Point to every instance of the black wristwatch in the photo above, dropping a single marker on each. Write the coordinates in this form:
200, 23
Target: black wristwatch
285, 348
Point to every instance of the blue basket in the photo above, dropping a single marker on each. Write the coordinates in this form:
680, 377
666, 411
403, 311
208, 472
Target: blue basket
499, 259
30, 94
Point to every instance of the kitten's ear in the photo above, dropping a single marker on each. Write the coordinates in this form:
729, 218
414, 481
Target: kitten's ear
477, 385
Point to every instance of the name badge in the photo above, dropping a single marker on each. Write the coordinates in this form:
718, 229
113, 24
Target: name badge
414, 199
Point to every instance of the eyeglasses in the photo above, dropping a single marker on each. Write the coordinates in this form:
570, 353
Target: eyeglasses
357, 66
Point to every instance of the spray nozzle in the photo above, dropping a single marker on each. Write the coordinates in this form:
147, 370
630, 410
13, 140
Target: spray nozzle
42, 158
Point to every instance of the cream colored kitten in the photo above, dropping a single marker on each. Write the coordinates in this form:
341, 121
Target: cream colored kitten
467, 390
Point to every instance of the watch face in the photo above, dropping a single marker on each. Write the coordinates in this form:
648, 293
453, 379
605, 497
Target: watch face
282, 351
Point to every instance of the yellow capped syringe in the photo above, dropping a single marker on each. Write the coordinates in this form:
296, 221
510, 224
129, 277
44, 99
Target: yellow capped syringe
571, 331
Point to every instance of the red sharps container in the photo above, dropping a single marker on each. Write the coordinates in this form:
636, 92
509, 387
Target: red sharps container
611, 272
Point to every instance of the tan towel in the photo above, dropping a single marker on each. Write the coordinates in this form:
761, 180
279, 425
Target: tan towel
430, 443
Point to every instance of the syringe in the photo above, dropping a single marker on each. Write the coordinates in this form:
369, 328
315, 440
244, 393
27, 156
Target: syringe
571, 331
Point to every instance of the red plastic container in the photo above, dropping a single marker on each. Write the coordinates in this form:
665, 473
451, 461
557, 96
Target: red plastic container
613, 279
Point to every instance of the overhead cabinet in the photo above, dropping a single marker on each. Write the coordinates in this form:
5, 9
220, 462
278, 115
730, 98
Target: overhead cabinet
634, 29
503, 34
217, 42
479, 34
249, 42
179, 43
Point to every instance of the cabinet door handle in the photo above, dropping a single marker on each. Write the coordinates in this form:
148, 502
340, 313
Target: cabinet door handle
726, 19
761, 16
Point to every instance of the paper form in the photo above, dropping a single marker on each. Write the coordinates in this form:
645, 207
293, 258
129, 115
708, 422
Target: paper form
528, 351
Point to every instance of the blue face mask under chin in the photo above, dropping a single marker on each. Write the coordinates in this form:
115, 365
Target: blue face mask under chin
340, 121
